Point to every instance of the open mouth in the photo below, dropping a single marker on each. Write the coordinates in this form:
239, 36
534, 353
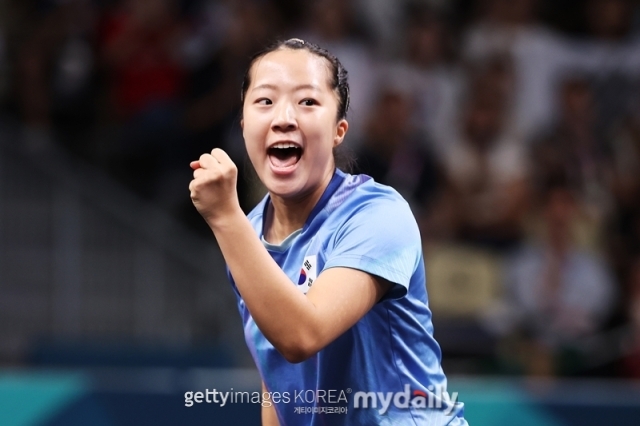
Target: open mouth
284, 155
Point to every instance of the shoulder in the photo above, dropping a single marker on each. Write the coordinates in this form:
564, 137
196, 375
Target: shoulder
372, 211
364, 188
360, 196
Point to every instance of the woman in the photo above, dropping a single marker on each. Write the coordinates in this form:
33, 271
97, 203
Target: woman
328, 267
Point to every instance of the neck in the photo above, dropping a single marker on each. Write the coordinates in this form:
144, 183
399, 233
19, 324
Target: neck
286, 215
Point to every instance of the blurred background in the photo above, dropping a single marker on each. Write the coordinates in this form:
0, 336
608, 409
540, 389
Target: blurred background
512, 127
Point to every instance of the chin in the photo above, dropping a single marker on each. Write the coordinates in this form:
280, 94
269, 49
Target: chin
284, 189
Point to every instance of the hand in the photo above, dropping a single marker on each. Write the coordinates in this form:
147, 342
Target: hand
213, 188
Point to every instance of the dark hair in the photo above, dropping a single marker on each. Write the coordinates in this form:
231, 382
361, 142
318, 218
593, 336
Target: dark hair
345, 158
338, 83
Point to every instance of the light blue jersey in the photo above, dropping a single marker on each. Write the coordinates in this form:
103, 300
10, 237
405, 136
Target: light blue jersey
385, 370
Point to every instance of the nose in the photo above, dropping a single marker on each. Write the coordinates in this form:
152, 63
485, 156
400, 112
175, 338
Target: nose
285, 118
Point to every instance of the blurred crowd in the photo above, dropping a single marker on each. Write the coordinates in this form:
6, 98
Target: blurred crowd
512, 127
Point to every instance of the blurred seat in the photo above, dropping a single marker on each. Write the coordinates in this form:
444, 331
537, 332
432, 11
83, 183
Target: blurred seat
464, 287
462, 282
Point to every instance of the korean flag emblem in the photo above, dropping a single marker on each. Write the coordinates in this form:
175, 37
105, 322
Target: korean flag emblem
308, 273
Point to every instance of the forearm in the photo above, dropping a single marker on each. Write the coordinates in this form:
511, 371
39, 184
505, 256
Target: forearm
269, 416
284, 315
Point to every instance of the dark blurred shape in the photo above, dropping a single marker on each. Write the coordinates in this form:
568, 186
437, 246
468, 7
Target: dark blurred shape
105, 353
333, 20
395, 152
140, 50
631, 362
428, 38
141, 43
510, 12
623, 230
609, 19
54, 71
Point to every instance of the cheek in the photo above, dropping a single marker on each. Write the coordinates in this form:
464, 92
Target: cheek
255, 153
254, 136
323, 132
321, 151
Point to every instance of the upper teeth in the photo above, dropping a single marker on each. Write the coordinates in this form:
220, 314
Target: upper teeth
284, 145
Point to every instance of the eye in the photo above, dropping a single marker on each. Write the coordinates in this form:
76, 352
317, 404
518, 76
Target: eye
308, 102
264, 101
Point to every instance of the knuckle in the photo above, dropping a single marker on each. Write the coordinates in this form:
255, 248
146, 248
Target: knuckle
213, 175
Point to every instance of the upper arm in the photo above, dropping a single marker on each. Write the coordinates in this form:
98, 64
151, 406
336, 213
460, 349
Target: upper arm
341, 297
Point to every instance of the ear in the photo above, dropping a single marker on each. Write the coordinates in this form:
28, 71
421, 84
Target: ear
341, 132
242, 124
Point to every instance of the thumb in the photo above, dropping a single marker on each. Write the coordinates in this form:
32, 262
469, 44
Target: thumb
195, 165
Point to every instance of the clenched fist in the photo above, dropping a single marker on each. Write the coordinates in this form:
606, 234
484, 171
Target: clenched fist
213, 188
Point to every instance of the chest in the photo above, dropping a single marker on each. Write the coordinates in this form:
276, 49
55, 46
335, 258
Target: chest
303, 261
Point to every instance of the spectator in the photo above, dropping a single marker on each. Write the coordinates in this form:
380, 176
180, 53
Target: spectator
487, 170
575, 149
561, 293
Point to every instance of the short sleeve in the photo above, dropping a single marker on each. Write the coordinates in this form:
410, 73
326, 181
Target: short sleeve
382, 239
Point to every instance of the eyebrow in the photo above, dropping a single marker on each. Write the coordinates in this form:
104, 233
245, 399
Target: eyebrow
297, 88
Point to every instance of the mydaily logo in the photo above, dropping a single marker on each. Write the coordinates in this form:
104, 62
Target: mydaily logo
436, 398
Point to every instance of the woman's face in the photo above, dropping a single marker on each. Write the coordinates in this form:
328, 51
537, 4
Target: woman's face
289, 122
